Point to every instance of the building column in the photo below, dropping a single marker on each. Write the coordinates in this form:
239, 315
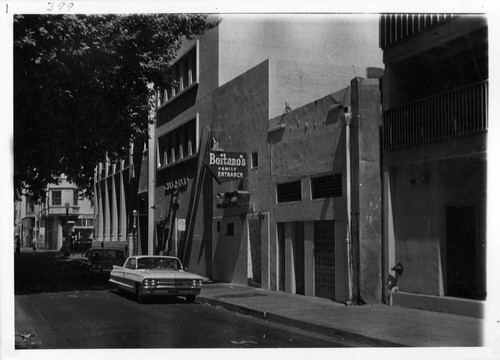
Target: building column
100, 212
123, 209
290, 286
107, 215
114, 204
389, 248
309, 258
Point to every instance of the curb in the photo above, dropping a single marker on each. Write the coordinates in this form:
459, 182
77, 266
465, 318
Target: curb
301, 324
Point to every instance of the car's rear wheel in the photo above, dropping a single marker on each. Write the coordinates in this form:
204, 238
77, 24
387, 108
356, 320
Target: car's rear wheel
139, 291
190, 298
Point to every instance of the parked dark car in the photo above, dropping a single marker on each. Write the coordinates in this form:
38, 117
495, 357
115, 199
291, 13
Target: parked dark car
80, 245
100, 261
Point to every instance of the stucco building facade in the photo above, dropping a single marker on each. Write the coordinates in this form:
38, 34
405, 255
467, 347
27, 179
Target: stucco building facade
274, 89
435, 122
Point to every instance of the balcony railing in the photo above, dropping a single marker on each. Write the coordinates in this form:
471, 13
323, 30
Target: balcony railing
454, 113
395, 28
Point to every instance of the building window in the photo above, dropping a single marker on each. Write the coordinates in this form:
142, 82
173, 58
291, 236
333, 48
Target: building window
30, 205
288, 192
230, 229
56, 197
218, 226
84, 222
326, 186
177, 144
75, 197
255, 159
182, 74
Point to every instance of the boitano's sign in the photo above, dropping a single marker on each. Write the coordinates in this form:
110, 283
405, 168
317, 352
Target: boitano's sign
227, 166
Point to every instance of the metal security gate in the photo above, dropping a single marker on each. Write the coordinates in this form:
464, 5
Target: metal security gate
324, 259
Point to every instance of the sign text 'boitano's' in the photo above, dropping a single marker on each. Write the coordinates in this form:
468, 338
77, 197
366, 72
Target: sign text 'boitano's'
228, 166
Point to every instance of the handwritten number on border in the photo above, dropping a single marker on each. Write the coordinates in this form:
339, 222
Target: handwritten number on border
59, 6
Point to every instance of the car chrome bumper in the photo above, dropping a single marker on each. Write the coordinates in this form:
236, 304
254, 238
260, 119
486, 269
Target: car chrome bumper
165, 291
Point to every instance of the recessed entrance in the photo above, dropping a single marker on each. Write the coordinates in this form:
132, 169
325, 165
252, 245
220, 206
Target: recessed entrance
461, 251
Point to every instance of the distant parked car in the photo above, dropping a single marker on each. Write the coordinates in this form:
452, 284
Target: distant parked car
82, 245
100, 261
156, 275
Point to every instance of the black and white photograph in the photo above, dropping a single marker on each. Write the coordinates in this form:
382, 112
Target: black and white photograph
213, 181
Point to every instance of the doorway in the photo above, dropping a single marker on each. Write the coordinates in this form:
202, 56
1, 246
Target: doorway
461, 251
324, 259
254, 258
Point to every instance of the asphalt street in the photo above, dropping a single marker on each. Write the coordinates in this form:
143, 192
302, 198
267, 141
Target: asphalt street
61, 309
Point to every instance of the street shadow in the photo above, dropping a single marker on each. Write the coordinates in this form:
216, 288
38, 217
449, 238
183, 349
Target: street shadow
52, 272
151, 300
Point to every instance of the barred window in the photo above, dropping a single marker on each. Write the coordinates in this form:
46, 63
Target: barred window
326, 186
288, 192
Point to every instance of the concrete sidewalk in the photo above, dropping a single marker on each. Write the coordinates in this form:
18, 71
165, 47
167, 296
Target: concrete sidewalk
372, 325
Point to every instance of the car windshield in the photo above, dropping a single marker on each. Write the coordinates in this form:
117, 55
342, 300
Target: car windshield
158, 263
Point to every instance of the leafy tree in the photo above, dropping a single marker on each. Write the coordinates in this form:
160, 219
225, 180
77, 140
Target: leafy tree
82, 89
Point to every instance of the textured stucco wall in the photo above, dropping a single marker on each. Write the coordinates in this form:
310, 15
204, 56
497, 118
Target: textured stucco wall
311, 143
366, 188
419, 216
240, 116
195, 251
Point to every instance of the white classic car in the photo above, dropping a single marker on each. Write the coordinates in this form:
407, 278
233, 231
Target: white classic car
156, 275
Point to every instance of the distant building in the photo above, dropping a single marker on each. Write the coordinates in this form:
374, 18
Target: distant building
26, 220
49, 222
435, 122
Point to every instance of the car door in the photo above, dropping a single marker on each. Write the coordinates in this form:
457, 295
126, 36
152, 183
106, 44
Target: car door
130, 274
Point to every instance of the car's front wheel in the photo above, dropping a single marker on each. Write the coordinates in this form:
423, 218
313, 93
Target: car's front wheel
139, 291
190, 298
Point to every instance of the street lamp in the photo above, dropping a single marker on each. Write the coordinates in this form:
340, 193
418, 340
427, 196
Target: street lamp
66, 205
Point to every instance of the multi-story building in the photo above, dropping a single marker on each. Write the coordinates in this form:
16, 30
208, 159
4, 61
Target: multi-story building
235, 85
435, 122
26, 210
297, 219
61, 213
262, 88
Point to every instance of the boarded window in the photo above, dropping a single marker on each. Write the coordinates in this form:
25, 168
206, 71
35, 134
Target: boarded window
326, 186
288, 192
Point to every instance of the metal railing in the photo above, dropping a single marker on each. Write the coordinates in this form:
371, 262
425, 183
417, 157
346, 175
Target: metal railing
395, 28
454, 113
